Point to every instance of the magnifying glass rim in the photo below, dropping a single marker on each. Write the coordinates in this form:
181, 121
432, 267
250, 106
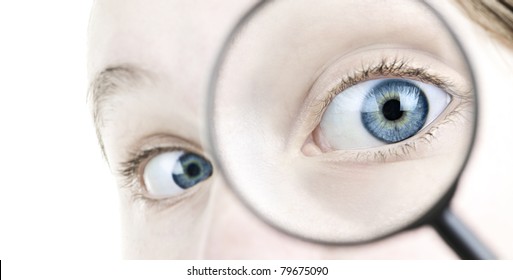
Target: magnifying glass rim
431, 214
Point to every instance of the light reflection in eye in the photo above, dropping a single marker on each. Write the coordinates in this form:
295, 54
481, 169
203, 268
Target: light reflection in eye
379, 112
394, 110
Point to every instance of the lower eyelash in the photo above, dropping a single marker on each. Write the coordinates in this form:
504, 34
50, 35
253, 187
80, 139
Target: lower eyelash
137, 195
401, 151
404, 150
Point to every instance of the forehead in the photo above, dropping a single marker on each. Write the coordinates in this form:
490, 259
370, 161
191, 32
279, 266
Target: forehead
163, 35
170, 44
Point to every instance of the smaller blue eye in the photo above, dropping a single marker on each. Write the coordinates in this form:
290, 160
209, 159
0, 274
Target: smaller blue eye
191, 169
394, 110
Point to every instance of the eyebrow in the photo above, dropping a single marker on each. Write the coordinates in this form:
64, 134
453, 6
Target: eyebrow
108, 83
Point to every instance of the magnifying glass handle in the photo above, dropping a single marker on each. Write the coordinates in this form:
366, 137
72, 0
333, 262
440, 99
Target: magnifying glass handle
460, 238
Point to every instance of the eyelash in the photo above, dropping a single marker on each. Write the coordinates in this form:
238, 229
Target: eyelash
397, 68
130, 169
394, 68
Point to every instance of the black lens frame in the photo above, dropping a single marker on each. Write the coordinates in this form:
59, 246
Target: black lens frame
451, 229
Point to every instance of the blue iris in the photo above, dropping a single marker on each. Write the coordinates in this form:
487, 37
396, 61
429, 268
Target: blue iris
394, 110
191, 169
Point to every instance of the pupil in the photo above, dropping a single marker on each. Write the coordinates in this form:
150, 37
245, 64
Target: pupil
392, 110
193, 170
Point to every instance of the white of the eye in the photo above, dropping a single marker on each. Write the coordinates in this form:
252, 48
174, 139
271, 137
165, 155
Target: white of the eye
341, 124
157, 175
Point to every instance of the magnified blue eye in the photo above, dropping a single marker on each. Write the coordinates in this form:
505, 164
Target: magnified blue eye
383, 111
394, 110
173, 172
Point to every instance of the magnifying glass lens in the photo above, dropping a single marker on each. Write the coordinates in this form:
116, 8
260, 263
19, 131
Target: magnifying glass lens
342, 121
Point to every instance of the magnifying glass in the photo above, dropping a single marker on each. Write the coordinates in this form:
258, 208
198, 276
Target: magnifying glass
345, 122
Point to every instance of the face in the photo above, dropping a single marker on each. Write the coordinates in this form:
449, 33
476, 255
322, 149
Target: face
151, 63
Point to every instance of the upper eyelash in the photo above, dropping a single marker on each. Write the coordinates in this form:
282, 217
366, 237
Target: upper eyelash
396, 67
130, 166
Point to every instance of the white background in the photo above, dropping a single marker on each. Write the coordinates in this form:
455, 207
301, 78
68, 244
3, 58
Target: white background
57, 199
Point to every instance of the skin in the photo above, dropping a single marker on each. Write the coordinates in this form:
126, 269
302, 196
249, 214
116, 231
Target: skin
162, 53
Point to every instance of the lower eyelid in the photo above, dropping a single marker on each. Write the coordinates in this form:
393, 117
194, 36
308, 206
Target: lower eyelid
413, 148
164, 204
139, 197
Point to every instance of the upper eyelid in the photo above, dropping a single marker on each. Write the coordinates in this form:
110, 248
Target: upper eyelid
398, 67
160, 142
128, 167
